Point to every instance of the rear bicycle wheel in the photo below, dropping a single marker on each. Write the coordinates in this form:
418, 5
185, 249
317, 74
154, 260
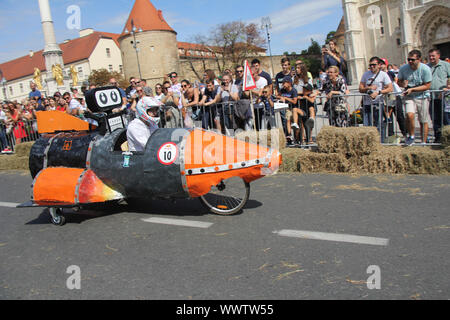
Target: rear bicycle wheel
228, 197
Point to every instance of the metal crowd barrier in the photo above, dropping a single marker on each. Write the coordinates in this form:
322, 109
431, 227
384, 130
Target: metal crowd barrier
341, 111
24, 131
350, 111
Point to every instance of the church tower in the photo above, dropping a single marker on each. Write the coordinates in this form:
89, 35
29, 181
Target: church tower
149, 45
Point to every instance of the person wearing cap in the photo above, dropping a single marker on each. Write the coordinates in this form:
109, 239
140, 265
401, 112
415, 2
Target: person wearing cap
290, 96
375, 83
308, 111
147, 122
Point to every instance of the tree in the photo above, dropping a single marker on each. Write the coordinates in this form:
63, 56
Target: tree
101, 78
310, 56
330, 36
314, 48
232, 43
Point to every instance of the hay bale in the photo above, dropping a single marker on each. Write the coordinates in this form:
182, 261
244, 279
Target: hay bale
23, 149
398, 160
445, 138
385, 160
351, 142
304, 161
274, 138
420, 160
13, 162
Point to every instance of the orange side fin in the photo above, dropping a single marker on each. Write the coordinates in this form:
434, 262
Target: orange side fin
71, 186
52, 121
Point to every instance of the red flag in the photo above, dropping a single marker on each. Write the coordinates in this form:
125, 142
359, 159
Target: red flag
248, 81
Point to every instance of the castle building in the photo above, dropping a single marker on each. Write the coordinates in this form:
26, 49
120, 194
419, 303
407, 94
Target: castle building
91, 51
391, 28
147, 48
149, 45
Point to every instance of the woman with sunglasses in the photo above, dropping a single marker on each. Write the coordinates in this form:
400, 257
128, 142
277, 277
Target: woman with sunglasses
190, 99
334, 87
158, 91
171, 112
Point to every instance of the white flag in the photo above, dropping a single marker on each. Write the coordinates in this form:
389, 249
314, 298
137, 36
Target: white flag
249, 81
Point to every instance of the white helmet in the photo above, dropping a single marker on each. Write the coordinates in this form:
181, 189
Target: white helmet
145, 104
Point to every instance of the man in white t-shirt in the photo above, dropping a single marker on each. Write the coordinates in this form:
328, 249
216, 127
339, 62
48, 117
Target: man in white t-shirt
375, 83
176, 87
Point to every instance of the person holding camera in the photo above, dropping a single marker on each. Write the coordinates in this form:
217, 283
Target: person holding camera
375, 83
266, 99
332, 57
416, 78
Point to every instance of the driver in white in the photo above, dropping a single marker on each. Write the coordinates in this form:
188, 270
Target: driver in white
141, 128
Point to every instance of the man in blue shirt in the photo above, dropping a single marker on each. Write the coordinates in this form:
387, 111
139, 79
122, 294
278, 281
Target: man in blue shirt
35, 94
416, 78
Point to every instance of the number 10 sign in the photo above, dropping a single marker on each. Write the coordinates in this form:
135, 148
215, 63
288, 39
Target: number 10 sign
168, 153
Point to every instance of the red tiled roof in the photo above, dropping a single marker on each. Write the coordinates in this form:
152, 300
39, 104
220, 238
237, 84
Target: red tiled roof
199, 47
74, 50
145, 16
341, 29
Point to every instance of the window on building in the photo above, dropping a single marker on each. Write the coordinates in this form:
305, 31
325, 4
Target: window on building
121, 68
152, 48
11, 91
381, 24
110, 68
80, 72
4, 93
21, 88
399, 42
108, 52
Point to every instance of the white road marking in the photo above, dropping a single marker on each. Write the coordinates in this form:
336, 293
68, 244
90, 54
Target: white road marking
178, 222
9, 204
333, 237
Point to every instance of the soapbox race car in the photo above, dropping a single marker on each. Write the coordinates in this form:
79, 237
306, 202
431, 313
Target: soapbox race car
75, 164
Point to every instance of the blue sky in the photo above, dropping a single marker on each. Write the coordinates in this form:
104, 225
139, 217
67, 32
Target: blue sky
294, 22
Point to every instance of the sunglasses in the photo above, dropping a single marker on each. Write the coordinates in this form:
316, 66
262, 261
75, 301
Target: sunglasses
373, 65
411, 60
139, 90
239, 71
185, 86
172, 77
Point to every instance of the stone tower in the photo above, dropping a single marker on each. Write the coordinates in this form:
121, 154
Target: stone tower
156, 43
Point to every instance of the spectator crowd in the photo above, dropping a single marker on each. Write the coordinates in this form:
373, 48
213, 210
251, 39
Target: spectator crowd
220, 103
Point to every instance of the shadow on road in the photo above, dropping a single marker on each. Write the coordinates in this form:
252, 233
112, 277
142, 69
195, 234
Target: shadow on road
180, 208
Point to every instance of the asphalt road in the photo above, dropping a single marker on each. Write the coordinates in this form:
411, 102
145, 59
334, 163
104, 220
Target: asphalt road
249, 256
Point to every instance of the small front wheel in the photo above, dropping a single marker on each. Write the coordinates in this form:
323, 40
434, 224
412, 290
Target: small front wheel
56, 217
228, 197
